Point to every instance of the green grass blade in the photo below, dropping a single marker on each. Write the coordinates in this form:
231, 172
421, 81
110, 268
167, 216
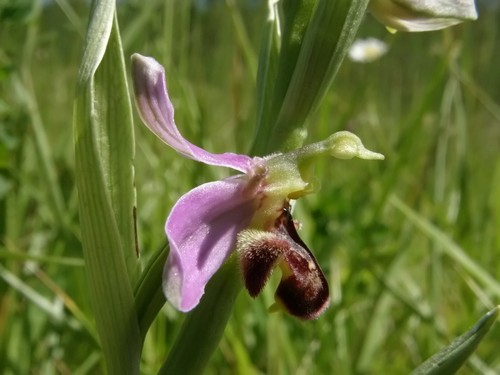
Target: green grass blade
42, 302
242, 36
448, 246
104, 152
11, 254
452, 357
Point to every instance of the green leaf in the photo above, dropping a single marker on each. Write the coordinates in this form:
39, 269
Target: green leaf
99, 29
327, 40
452, 357
265, 82
315, 38
283, 37
104, 151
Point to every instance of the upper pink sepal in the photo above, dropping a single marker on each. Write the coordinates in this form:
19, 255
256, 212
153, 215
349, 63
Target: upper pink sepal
157, 112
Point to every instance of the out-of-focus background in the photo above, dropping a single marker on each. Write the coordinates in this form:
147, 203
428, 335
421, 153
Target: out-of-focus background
410, 245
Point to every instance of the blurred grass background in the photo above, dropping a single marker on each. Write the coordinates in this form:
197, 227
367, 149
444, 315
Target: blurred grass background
411, 245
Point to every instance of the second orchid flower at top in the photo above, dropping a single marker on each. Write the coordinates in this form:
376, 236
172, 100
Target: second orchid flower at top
422, 15
248, 213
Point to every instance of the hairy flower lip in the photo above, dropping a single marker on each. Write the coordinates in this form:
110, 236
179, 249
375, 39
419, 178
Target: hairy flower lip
303, 290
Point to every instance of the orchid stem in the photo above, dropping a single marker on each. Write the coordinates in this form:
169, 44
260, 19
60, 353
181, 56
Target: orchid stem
204, 326
149, 298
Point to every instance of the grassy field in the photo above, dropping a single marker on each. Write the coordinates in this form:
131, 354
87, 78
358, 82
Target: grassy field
410, 245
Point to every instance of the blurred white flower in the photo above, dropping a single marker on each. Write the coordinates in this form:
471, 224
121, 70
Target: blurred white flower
367, 50
422, 15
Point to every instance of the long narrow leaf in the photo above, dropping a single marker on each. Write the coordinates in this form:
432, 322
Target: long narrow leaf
451, 358
104, 152
315, 38
327, 39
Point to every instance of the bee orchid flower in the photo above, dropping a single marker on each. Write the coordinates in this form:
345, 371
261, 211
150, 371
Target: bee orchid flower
248, 213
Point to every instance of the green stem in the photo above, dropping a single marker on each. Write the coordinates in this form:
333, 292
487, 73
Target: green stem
149, 298
203, 328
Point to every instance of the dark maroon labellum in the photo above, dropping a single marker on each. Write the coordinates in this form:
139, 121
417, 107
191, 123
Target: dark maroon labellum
303, 290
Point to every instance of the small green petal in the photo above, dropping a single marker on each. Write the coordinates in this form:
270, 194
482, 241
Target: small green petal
345, 145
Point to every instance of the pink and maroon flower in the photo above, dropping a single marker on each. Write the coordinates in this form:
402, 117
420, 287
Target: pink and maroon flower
248, 213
